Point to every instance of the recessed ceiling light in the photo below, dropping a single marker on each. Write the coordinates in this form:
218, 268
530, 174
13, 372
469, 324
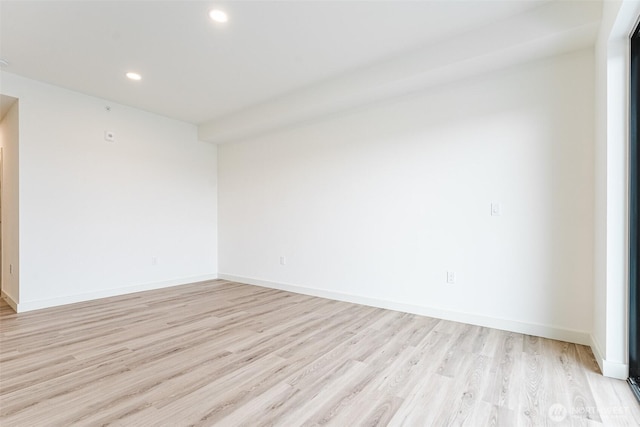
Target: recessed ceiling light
218, 15
134, 76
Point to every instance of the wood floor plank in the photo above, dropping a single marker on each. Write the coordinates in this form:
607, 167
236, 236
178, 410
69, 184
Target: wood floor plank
228, 354
426, 401
501, 387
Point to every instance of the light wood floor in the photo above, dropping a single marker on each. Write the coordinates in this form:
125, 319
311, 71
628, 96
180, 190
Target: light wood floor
222, 353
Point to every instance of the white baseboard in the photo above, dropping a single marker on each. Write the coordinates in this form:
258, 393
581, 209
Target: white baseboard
10, 301
545, 331
597, 353
615, 370
21, 307
608, 368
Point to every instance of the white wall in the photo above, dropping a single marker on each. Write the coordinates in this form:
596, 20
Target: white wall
9, 136
610, 328
94, 214
376, 205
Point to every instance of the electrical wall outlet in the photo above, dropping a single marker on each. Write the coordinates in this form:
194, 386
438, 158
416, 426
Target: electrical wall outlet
283, 260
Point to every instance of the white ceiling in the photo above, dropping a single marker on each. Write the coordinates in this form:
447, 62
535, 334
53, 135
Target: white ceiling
196, 70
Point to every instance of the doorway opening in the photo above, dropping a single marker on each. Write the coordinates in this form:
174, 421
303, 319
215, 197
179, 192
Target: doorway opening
9, 255
1, 179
